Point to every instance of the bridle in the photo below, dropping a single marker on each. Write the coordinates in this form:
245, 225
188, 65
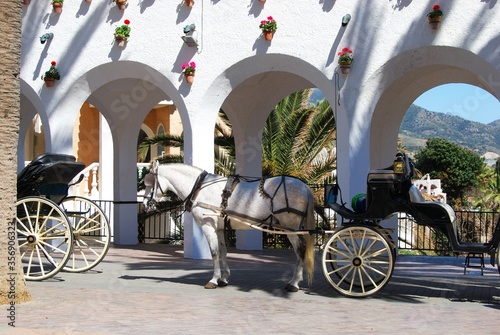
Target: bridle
151, 203
188, 202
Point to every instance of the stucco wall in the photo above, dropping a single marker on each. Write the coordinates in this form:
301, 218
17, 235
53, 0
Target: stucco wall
397, 57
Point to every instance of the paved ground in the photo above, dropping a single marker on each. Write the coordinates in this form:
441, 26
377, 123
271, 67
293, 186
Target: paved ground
152, 289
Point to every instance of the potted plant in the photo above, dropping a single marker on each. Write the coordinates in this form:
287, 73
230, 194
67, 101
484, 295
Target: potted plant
51, 75
268, 27
57, 6
121, 4
189, 3
26, 2
345, 60
435, 16
122, 33
262, 1
189, 70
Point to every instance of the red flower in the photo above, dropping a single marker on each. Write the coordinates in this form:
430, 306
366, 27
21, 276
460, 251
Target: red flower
53, 63
270, 18
126, 22
436, 7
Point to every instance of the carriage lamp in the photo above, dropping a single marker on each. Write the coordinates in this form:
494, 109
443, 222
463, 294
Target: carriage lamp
399, 165
45, 37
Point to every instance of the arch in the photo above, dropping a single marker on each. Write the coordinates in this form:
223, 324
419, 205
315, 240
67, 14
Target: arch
251, 88
30, 105
426, 67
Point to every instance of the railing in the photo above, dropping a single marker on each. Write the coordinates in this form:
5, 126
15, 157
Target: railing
90, 185
472, 227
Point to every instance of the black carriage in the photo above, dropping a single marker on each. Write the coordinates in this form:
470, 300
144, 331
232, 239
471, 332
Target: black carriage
358, 259
56, 231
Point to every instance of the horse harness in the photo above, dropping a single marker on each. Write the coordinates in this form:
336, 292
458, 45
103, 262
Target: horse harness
231, 183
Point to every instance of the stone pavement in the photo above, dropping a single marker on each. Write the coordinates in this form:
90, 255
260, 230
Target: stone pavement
152, 289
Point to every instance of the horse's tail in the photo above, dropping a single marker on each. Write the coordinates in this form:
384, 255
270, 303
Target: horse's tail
310, 239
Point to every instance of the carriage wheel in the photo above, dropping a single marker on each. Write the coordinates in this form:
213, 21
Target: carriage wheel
91, 233
357, 261
44, 235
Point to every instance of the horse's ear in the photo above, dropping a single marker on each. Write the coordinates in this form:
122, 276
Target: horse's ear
154, 166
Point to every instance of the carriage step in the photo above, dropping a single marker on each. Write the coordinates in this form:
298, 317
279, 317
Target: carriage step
473, 255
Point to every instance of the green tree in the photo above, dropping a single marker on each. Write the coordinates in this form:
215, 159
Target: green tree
457, 167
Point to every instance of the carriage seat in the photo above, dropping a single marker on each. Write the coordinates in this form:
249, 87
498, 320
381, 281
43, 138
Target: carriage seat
387, 177
418, 199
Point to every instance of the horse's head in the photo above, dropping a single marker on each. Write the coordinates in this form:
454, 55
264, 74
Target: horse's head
152, 188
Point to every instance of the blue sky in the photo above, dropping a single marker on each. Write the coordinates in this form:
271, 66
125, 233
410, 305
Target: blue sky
467, 101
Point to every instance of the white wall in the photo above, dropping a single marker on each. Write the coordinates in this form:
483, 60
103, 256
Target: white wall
397, 57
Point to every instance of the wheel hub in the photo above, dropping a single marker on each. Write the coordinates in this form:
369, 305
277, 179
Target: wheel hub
32, 239
357, 261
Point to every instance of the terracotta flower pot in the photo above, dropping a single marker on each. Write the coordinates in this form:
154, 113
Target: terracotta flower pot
49, 82
121, 41
189, 77
88, 1
121, 4
435, 21
262, 1
57, 6
189, 3
26, 2
345, 67
268, 35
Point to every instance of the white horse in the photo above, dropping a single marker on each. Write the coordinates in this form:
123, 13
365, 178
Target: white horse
283, 203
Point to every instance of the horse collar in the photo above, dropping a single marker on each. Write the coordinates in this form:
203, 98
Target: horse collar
194, 192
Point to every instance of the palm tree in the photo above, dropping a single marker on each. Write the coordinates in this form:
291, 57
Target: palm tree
487, 195
12, 283
166, 140
299, 138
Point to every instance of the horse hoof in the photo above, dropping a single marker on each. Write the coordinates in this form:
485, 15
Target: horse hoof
222, 283
210, 286
291, 288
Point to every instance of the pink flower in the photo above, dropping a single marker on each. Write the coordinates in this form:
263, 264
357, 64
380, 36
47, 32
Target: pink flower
193, 65
270, 18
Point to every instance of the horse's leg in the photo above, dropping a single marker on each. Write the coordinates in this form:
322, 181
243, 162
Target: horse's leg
298, 244
209, 230
224, 280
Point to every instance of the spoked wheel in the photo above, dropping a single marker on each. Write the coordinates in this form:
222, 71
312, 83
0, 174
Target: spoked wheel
45, 237
358, 261
91, 233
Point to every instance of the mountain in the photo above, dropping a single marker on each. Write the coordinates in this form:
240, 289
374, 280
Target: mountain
420, 124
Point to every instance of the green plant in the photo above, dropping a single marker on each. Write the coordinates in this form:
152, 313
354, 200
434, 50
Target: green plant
57, 1
436, 12
268, 25
345, 56
123, 31
52, 72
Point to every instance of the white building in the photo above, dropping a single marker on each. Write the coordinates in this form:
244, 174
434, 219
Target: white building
397, 57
